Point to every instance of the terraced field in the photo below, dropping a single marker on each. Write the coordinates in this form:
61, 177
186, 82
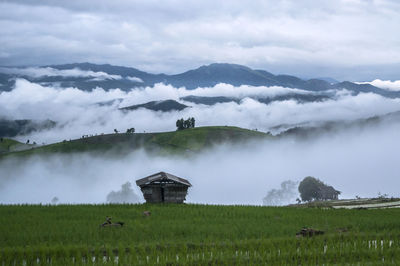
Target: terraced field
196, 235
360, 203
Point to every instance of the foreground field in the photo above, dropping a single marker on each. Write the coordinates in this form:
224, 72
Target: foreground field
196, 234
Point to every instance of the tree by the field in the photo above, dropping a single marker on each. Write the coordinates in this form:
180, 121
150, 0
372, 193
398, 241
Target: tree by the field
185, 124
130, 130
311, 188
125, 195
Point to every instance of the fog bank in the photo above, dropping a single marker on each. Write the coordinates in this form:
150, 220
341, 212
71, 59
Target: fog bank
357, 162
79, 112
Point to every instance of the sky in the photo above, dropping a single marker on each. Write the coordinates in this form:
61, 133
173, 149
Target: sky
355, 40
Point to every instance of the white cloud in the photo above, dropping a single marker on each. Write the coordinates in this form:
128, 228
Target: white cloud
37, 72
344, 161
385, 84
77, 113
135, 79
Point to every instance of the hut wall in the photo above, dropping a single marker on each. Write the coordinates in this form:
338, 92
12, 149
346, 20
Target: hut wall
169, 192
175, 193
152, 194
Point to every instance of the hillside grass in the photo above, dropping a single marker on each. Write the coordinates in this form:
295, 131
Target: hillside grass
186, 141
9, 145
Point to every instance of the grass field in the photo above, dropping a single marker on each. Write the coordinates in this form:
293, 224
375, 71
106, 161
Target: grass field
196, 235
10, 145
165, 143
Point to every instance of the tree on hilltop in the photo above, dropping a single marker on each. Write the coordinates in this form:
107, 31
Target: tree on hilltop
185, 124
130, 130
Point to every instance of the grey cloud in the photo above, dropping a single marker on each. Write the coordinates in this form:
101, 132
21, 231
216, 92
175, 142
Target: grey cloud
171, 36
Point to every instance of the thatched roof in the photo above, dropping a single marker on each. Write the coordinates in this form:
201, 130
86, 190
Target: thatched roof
162, 176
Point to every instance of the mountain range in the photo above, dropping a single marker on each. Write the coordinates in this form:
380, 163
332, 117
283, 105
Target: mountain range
126, 78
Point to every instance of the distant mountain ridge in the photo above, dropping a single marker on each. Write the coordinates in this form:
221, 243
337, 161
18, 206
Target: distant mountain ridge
164, 106
12, 128
204, 76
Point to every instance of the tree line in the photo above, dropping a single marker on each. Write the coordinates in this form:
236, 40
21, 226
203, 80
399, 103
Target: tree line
185, 124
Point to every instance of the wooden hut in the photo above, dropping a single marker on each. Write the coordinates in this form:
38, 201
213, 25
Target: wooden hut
163, 187
328, 193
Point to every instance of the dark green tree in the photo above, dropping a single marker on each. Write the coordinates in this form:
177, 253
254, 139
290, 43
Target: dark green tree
180, 124
312, 188
130, 130
185, 124
308, 188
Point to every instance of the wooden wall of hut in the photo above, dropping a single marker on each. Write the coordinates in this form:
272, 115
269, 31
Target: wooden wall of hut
168, 193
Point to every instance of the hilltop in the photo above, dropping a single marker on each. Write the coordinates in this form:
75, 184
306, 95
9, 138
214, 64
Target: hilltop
188, 141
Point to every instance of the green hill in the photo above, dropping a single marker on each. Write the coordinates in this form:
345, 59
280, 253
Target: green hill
187, 141
10, 145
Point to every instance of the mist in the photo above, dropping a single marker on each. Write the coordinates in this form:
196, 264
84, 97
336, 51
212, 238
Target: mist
385, 84
359, 162
80, 112
36, 72
287, 192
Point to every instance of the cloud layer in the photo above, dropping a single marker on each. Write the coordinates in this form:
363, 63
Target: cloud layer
79, 112
385, 84
356, 162
303, 38
37, 72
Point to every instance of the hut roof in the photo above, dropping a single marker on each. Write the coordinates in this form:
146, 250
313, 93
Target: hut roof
329, 189
161, 176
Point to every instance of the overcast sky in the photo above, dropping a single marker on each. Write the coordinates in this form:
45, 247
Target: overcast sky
343, 39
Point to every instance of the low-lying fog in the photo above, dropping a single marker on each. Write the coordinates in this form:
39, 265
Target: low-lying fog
78, 113
359, 162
